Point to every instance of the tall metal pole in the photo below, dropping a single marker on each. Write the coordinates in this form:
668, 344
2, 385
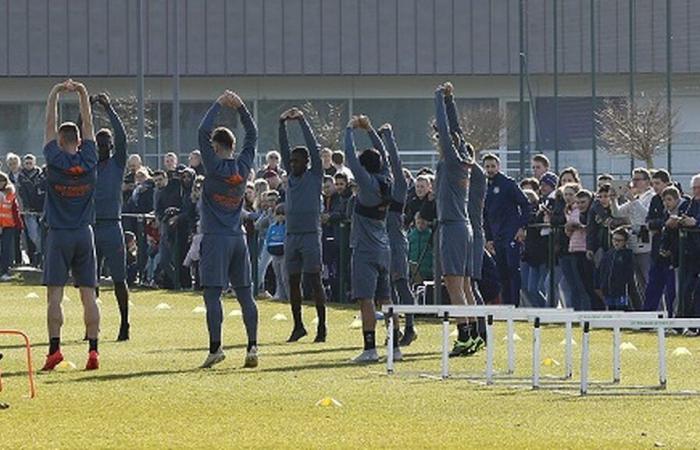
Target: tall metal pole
176, 82
632, 37
669, 67
523, 122
594, 95
140, 83
555, 41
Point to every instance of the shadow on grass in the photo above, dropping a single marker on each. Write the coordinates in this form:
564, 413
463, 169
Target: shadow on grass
194, 349
126, 376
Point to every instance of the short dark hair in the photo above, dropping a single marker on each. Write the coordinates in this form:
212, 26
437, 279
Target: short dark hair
370, 160
223, 136
69, 132
301, 150
621, 231
160, 173
671, 191
327, 178
663, 175
492, 157
338, 157
584, 193
604, 188
541, 159
279, 209
605, 177
571, 171
103, 138
340, 176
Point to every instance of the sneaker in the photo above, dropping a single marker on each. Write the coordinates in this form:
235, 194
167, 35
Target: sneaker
398, 356
5, 277
366, 357
409, 335
479, 343
52, 361
123, 333
386, 339
320, 335
251, 358
462, 348
213, 359
297, 333
691, 332
93, 362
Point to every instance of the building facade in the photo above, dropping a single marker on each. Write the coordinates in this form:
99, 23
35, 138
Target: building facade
379, 57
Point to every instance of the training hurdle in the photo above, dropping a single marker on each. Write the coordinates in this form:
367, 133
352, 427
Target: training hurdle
507, 313
632, 323
568, 319
30, 370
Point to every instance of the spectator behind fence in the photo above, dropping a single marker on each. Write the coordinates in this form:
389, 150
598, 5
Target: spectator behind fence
420, 250
272, 163
338, 159
540, 166
661, 277
416, 198
327, 162
168, 202
690, 220
10, 225
31, 189
615, 277
195, 162
274, 243
635, 210
534, 257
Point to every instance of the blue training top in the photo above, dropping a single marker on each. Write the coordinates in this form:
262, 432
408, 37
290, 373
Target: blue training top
225, 181
394, 217
110, 172
70, 179
368, 234
303, 198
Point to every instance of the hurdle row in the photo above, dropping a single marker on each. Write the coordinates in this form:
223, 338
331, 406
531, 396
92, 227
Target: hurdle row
615, 320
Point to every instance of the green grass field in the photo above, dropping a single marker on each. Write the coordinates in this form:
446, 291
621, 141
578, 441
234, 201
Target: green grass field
149, 393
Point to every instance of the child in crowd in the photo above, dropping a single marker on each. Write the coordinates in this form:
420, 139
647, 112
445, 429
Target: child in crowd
132, 268
616, 272
534, 258
420, 250
274, 242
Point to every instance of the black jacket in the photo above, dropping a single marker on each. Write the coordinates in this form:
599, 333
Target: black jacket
616, 272
31, 188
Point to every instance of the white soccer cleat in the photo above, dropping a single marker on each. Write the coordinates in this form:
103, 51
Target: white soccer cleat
366, 357
251, 358
398, 356
213, 359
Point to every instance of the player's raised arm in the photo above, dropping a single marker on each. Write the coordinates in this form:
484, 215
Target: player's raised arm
387, 135
88, 130
209, 157
118, 127
311, 143
247, 155
51, 131
284, 139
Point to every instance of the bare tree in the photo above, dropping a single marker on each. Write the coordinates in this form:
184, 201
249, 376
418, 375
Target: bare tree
327, 127
638, 130
128, 110
482, 127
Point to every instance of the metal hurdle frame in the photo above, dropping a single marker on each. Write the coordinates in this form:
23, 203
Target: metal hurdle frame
30, 369
568, 319
507, 313
631, 323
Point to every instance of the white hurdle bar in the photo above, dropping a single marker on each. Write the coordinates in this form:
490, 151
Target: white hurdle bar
508, 313
568, 319
632, 323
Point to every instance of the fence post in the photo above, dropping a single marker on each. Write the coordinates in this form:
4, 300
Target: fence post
343, 266
680, 295
437, 266
175, 258
142, 255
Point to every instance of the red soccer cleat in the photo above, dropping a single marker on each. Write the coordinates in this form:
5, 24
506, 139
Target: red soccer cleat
93, 362
52, 361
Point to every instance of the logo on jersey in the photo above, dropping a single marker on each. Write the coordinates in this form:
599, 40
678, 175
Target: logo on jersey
234, 180
496, 190
75, 170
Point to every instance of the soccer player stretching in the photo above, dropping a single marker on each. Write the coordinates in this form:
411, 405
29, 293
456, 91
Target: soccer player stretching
70, 212
302, 246
224, 252
369, 240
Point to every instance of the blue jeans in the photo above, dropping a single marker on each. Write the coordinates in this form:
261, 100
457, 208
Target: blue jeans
562, 291
579, 299
533, 278
508, 266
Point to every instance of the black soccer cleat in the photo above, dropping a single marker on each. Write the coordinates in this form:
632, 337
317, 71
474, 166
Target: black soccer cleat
297, 333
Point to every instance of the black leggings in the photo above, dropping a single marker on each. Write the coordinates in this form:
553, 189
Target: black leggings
586, 270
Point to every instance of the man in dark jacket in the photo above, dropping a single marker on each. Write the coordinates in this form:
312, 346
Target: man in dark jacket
31, 186
662, 280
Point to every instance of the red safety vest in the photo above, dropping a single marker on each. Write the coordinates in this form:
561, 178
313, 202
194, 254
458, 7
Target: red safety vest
8, 210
